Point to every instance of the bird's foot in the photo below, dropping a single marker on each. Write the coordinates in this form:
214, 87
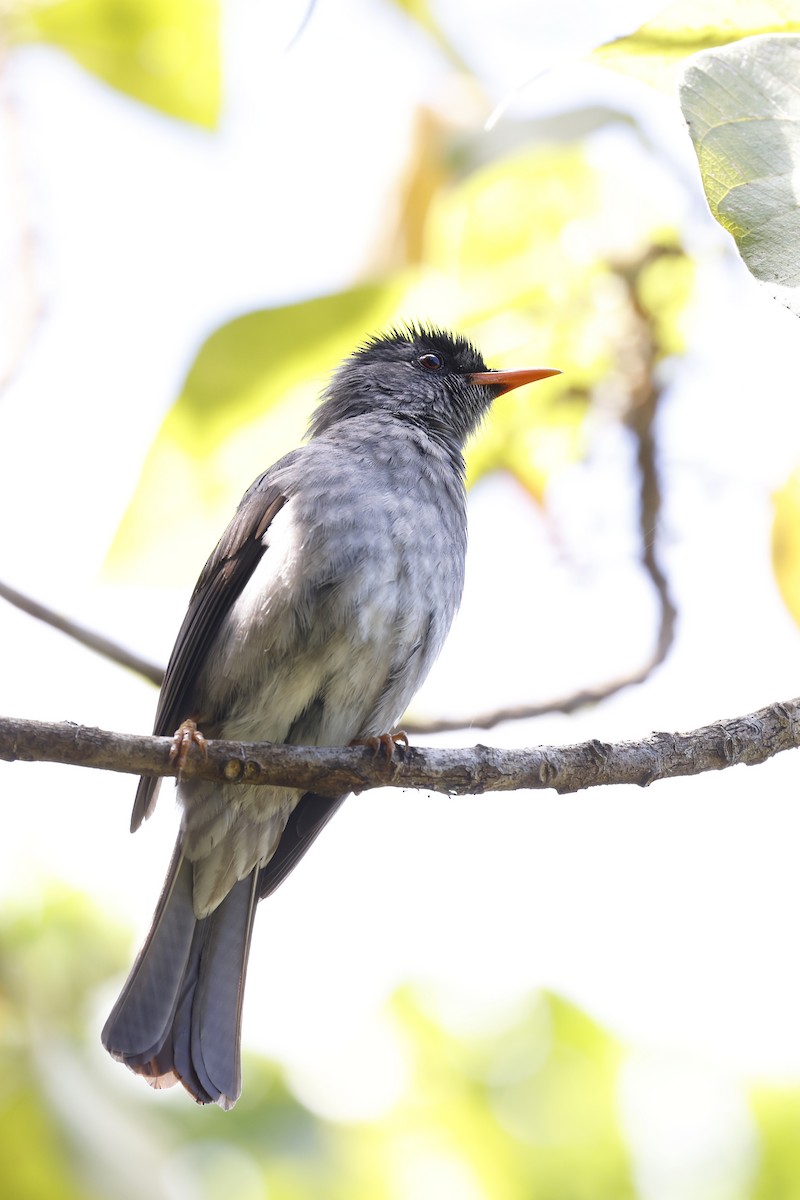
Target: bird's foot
186, 734
385, 744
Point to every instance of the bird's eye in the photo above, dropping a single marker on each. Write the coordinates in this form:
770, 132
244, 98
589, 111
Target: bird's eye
431, 361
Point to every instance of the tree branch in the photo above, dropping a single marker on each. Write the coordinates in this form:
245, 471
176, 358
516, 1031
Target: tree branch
747, 740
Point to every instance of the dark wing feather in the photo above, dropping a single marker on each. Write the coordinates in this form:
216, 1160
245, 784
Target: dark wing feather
308, 818
222, 579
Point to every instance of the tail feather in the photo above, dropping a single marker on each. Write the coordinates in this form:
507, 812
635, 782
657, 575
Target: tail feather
143, 1015
217, 1003
178, 1017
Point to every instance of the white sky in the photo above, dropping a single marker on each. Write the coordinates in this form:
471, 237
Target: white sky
669, 914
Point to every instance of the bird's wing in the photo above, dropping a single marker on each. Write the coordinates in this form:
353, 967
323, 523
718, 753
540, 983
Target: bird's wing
308, 818
222, 579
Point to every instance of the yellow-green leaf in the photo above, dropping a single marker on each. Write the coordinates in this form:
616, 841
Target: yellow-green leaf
786, 543
656, 50
504, 255
742, 106
35, 1155
519, 255
245, 402
165, 53
776, 1110
530, 1109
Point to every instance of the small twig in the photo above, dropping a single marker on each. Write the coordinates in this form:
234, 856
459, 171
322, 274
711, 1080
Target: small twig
748, 740
645, 397
528, 712
87, 637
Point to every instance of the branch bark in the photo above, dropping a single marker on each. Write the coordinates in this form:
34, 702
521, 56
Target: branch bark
747, 740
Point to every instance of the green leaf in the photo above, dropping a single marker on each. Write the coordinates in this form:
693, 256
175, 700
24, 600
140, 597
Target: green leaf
742, 106
656, 50
165, 53
245, 402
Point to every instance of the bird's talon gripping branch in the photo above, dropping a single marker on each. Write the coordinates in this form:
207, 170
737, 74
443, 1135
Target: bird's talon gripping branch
384, 744
186, 734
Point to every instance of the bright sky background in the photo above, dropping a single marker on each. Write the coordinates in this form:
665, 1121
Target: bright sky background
669, 914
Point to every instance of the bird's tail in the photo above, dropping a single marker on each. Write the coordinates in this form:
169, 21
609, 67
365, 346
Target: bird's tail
179, 1015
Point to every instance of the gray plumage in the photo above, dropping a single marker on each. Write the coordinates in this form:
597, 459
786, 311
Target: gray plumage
314, 622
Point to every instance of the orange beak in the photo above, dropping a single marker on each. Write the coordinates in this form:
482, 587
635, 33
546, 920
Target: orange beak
506, 381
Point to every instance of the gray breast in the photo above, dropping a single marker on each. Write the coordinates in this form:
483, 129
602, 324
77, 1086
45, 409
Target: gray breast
351, 602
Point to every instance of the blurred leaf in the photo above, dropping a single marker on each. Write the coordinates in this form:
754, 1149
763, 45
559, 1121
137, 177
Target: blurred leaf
245, 402
564, 1107
505, 254
496, 238
34, 1157
51, 956
529, 1109
165, 53
742, 106
777, 1114
521, 243
654, 52
403, 229
523, 1107
786, 543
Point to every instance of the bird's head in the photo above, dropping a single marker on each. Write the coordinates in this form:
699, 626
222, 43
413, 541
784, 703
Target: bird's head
426, 376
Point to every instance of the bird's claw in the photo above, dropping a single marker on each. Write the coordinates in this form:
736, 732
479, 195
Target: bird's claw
186, 734
384, 745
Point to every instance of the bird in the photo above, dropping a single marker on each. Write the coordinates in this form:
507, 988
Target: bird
314, 622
